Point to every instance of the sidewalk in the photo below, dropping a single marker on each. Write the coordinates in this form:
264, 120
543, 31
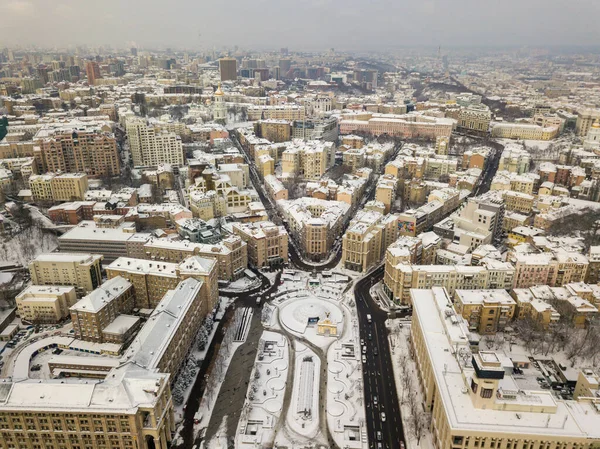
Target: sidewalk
399, 338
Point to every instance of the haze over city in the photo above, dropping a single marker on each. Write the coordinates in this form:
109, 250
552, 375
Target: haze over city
307, 25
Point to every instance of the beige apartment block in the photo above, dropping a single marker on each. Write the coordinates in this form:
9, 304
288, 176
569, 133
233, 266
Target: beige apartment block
89, 151
486, 311
400, 278
231, 254
150, 147
81, 271
95, 311
152, 280
267, 242
65, 187
47, 304
366, 238
468, 396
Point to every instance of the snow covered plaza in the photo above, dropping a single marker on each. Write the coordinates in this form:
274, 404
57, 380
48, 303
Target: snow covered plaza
306, 386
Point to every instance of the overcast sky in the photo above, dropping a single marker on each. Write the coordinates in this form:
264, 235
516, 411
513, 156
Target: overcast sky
300, 24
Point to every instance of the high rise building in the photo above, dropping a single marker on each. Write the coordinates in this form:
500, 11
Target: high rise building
228, 69
150, 148
93, 72
91, 151
285, 65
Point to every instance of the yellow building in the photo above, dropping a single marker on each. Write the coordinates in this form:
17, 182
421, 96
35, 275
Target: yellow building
486, 311
386, 191
274, 130
366, 238
65, 187
468, 392
265, 165
518, 202
400, 277
152, 280
81, 271
96, 310
48, 304
231, 254
267, 242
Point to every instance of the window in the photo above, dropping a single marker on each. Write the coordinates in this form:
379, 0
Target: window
486, 393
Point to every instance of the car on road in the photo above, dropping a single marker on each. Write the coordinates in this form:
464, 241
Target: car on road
370, 336
382, 416
401, 444
364, 359
369, 318
375, 401
362, 341
379, 435
379, 446
364, 349
375, 352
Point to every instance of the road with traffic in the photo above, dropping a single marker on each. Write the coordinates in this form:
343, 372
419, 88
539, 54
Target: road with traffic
378, 376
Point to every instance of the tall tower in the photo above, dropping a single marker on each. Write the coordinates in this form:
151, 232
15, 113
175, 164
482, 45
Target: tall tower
220, 109
93, 72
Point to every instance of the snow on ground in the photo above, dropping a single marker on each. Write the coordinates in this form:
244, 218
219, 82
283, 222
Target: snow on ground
270, 275
302, 423
264, 399
296, 316
399, 338
345, 403
26, 245
217, 376
241, 285
219, 441
199, 355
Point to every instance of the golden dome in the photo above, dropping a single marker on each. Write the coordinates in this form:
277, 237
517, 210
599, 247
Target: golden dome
596, 124
219, 92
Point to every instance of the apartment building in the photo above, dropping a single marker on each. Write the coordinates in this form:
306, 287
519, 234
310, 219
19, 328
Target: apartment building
368, 235
81, 271
45, 304
150, 147
231, 254
99, 308
314, 224
228, 69
485, 311
400, 277
176, 320
518, 202
514, 159
468, 396
287, 112
306, 159
274, 130
152, 280
549, 268
72, 413
475, 118
53, 188
585, 120
267, 242
592, 275
86, 150
546, 305
385, 192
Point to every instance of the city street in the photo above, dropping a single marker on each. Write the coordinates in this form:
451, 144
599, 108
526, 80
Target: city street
378, 374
